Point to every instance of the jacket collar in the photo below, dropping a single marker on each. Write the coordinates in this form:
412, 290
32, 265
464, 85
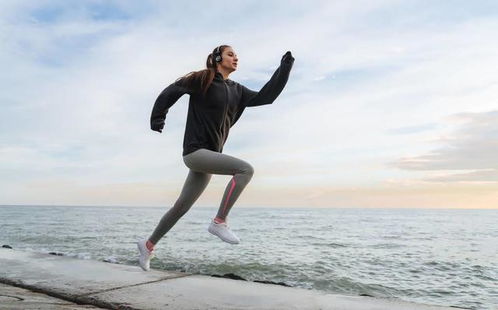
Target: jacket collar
219, 76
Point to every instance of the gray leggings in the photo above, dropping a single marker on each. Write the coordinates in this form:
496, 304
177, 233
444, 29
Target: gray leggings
203, 163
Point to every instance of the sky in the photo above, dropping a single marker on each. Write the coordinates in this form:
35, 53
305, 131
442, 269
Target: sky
389, 104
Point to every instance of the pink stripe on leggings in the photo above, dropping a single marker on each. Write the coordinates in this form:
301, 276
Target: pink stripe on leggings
229, 193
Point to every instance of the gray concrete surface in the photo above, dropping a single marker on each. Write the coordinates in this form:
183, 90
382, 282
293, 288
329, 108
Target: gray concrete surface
115, 286
16, 298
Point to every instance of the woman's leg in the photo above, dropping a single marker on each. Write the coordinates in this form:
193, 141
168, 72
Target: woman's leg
211, 162
194, 185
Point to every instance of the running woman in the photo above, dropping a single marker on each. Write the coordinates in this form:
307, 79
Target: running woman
215, 105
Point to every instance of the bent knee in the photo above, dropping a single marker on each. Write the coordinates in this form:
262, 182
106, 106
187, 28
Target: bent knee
248, 170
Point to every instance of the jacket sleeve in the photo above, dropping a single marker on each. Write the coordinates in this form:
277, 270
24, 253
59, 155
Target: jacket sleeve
164, 101
270, 91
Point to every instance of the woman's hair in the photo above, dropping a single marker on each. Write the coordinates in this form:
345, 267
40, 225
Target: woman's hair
199, 81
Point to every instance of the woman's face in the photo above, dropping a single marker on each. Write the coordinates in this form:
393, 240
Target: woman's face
229, 59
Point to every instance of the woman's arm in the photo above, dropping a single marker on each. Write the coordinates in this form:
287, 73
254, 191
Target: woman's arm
164, 101
272, 88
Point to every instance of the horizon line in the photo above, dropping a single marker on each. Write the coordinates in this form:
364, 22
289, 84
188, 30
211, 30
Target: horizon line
244, 207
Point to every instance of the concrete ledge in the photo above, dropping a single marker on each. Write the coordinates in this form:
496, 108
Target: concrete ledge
15, 298
115, 286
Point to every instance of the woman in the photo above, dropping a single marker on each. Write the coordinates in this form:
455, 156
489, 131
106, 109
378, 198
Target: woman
215, 105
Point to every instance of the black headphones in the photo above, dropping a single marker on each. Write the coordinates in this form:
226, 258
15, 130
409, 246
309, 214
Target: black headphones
217, 54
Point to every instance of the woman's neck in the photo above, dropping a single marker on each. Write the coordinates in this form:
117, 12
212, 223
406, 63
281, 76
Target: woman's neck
224, 73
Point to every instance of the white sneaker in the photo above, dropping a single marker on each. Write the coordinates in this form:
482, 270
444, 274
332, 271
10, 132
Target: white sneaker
145, 254
223, 231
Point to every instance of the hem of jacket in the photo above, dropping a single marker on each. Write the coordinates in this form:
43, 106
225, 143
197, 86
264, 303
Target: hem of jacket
192, 149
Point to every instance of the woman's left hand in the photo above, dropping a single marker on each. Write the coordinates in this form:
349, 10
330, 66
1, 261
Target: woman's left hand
287, 58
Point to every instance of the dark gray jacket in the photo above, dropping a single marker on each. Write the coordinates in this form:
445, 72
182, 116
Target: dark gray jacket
210, 118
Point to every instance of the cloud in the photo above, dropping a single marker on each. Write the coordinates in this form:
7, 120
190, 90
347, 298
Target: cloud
472, 146
371, 82
482, 176
405, 130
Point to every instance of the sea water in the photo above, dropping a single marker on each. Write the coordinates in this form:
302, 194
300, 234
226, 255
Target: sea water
442, 257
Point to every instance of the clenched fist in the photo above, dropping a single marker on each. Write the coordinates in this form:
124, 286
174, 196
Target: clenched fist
287, 58
157, 126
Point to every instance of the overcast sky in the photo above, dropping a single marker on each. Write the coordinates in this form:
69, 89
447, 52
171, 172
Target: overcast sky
389, 103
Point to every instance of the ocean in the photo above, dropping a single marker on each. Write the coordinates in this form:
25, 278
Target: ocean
442, 257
